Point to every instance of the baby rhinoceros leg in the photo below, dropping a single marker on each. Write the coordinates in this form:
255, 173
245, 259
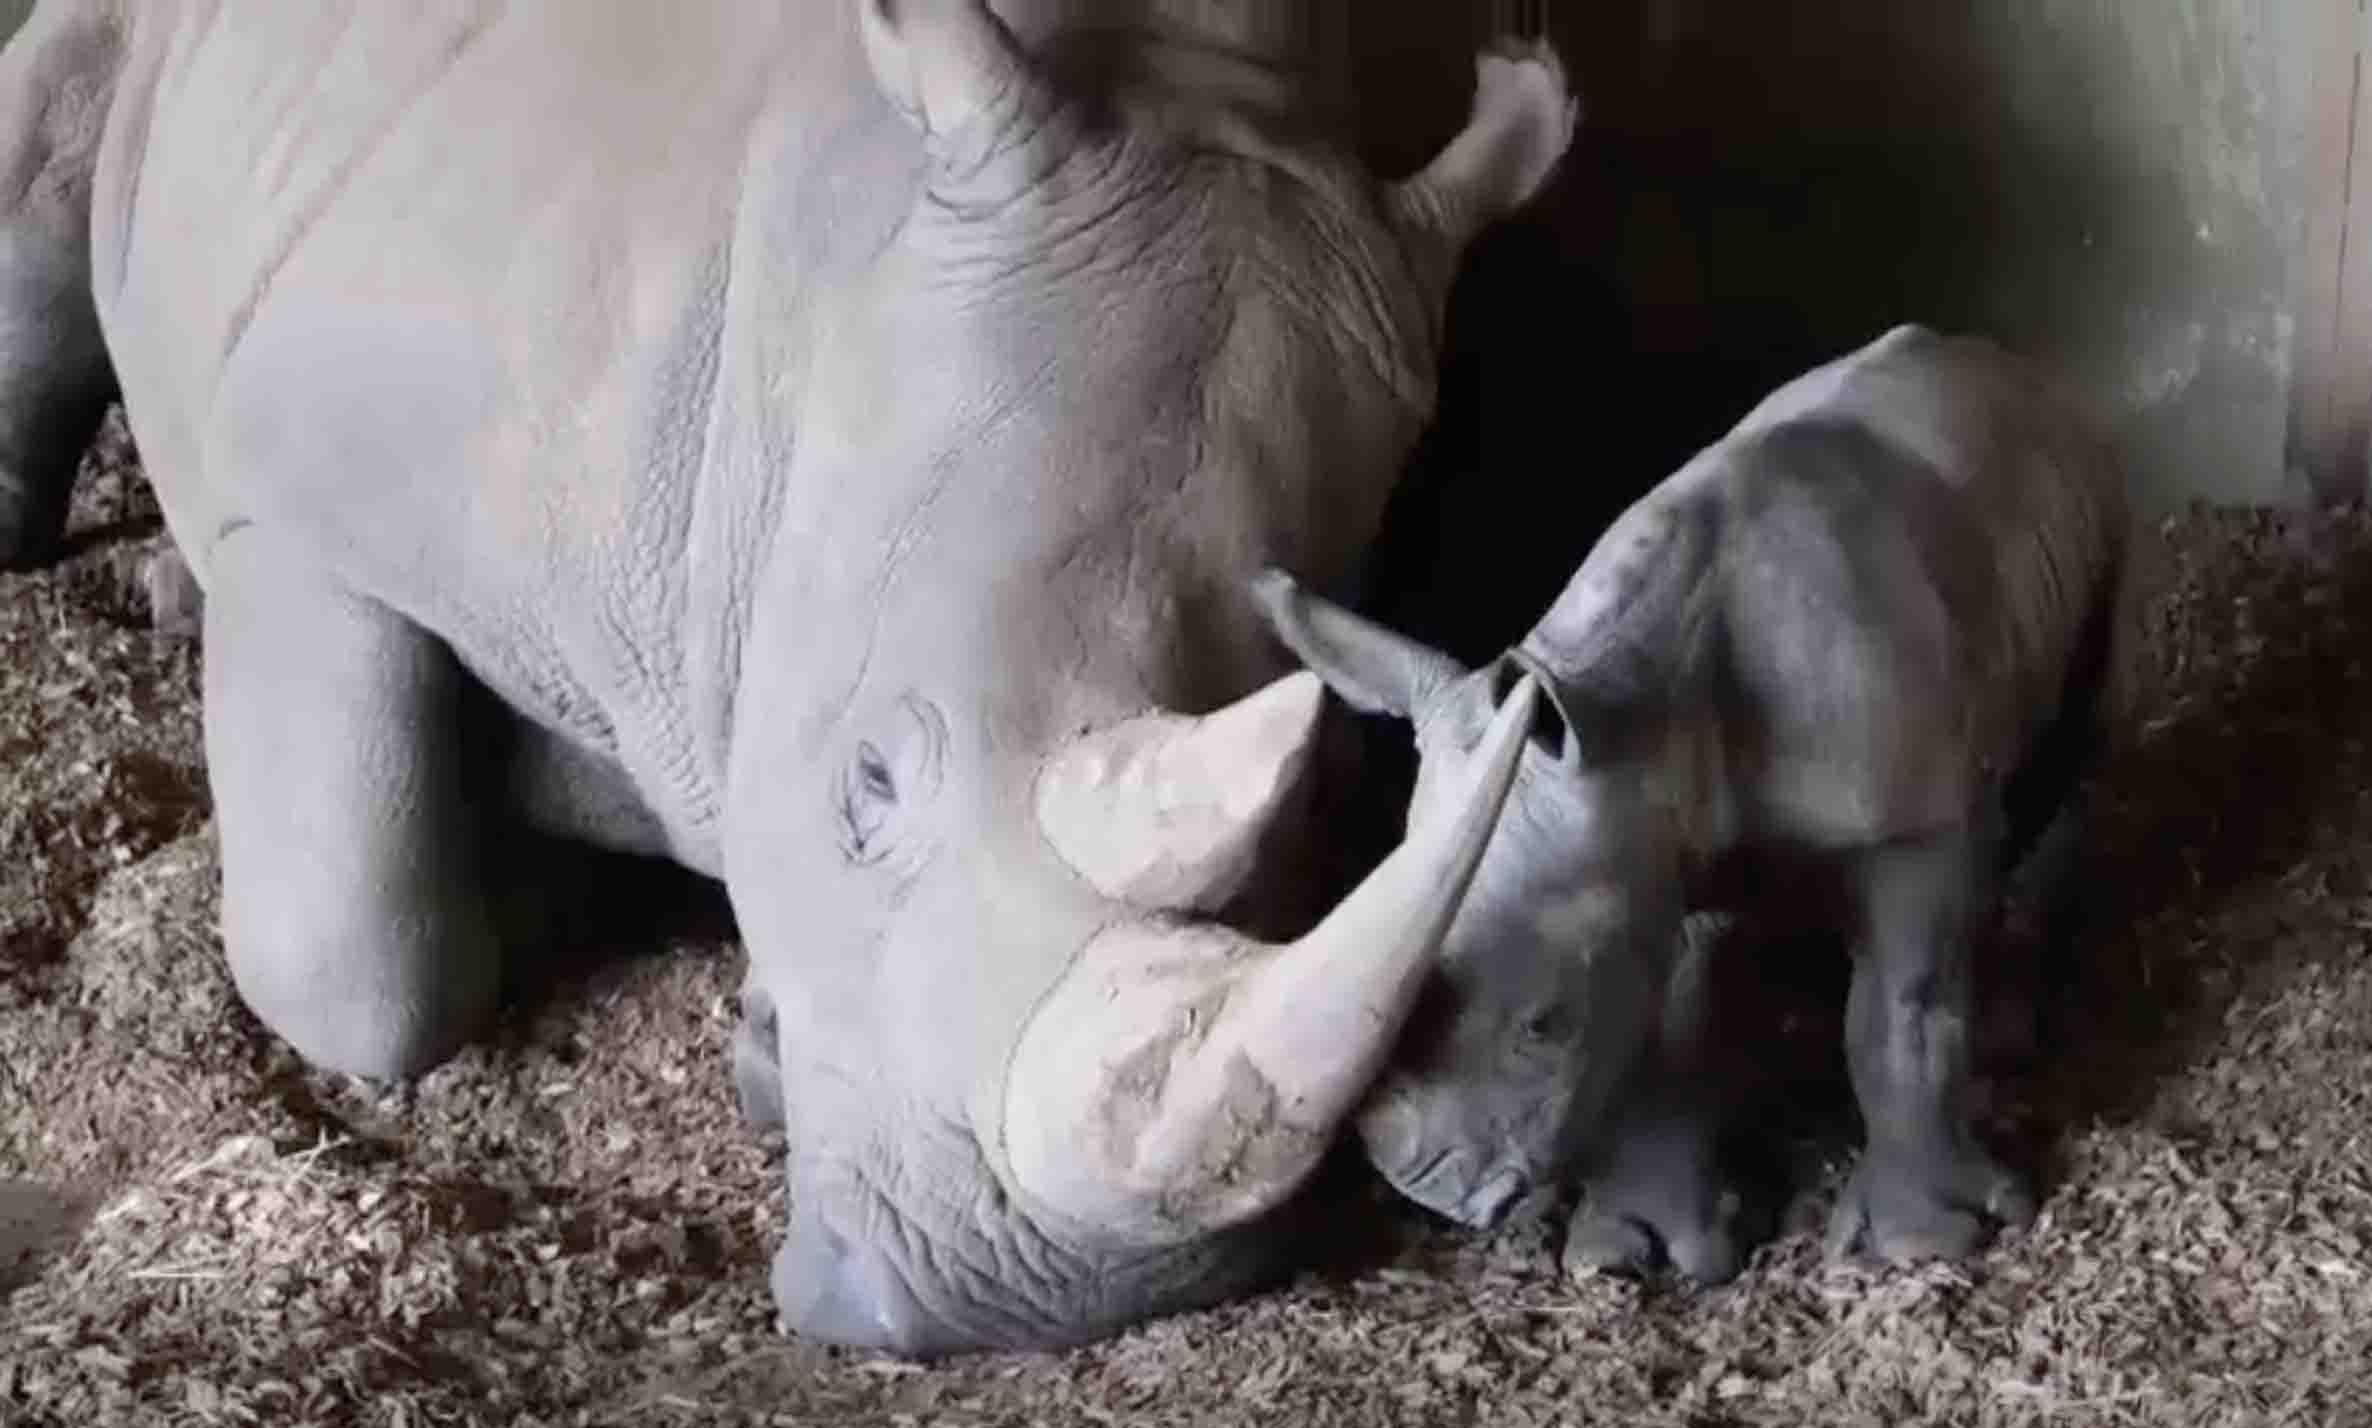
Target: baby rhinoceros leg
1925, 1187
1658, 1190
353, 915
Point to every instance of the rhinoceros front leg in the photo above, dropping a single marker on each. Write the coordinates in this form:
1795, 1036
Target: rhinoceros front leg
352, 913
1925, 1187
1658, 1190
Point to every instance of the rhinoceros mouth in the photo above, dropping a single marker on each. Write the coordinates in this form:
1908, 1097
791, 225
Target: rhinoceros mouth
913, 1287
1486, 1206
1448, 1186
1453, 1183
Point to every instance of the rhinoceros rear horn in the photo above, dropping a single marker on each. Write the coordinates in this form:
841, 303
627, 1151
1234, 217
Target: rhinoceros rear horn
1165, 812
1181, 1077
943, 63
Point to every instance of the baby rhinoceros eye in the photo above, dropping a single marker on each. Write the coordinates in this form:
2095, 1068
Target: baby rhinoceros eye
1542, 1026
874, 780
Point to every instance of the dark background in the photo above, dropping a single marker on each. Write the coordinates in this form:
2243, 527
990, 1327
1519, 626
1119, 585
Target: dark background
2114, 188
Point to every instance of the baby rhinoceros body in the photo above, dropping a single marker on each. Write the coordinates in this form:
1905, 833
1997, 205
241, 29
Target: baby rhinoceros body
1842, 665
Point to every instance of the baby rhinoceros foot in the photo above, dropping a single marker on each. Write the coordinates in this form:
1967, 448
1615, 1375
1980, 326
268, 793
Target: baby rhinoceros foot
1708, 1251
1907, 1206
1678, 1208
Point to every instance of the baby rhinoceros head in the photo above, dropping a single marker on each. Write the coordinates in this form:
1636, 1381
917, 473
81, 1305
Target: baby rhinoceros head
1550, 976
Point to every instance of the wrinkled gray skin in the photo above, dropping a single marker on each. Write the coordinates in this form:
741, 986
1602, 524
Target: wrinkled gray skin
807, 426
1827, 674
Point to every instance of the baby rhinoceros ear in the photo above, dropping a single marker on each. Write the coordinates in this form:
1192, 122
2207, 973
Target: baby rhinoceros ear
1165, 812
1372, 669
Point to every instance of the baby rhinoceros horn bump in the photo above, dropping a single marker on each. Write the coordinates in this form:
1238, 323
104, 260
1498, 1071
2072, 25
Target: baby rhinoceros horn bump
1166, 812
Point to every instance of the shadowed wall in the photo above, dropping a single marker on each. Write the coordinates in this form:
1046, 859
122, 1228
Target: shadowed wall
2114, 187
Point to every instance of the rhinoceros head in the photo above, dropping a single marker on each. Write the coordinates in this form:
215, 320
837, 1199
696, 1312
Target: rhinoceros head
1552, 973
1009, 728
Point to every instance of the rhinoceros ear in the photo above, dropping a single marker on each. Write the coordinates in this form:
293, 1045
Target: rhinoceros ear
1373, 669
942, 63
1523, 119
1166, 813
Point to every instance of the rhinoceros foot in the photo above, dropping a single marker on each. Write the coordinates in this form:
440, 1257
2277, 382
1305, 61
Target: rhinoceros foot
1940, 1203
1663, 1197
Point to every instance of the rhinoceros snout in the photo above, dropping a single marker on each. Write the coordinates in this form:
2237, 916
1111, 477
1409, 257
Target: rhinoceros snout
1487, 1204
1434, 1169
841, 1291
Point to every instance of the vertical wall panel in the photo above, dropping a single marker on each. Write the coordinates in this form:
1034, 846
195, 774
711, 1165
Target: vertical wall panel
2331, 394
2116, 186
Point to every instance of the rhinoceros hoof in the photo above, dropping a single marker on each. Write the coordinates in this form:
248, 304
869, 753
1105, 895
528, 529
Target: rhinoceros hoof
1701, 1226
1632, 1245
1906, 1207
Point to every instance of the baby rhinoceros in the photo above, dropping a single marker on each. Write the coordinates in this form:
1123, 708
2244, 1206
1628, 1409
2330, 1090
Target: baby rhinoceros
1837, 670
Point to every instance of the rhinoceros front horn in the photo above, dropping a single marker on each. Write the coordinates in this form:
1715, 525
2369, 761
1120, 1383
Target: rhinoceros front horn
1182, 1077
1165, 812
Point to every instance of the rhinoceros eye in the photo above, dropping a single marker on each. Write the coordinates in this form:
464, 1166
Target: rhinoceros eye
1541, 1025
885, 776
868, 794
873, 775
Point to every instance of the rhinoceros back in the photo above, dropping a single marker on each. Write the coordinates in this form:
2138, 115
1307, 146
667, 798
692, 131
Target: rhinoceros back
2036, 474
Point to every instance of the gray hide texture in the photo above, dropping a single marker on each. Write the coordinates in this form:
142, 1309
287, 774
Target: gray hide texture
809, 420
1828, 677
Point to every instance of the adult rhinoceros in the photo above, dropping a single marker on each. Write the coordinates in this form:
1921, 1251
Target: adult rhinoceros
842, 434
